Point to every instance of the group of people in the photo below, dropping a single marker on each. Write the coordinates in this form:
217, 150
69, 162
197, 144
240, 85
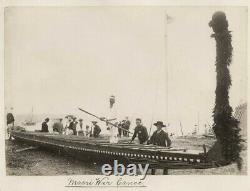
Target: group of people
124, 127
72, 126
159, 137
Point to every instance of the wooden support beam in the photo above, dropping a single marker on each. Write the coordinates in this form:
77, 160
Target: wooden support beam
165, 171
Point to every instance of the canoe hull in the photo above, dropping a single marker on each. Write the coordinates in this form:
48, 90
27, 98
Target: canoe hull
101, 151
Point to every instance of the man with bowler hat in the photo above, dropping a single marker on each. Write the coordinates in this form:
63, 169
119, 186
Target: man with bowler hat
160, 137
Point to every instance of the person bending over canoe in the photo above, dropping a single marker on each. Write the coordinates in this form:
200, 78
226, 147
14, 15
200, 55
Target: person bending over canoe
97, 130
160, 137
140, 131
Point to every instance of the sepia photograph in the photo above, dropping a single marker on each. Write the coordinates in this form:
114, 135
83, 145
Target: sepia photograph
125, 91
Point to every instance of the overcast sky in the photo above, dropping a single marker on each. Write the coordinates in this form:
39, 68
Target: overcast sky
58, 59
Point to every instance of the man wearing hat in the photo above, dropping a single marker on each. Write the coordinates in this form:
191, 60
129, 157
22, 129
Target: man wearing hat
45, 127
97, 130
72, 125
160, 137
140, 131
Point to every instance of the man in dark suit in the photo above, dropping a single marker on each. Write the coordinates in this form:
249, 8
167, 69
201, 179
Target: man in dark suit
72, 125
126, 126
160, 137
97, 130
140, 131
45, 127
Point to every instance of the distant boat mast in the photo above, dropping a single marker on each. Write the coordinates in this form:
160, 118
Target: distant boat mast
31, 114
167, 20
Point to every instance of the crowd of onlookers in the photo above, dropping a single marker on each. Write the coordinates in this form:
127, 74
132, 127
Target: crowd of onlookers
73, 126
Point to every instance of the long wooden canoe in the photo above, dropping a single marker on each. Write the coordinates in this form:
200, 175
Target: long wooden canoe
100, 150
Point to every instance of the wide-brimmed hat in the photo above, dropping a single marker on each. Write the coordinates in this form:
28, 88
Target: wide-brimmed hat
159, 123
94, 122
80, 120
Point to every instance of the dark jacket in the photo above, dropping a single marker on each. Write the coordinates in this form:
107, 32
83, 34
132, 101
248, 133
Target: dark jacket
142, 133
72, 126
10, 118
45, 127
126, 125
97, 131
160, 138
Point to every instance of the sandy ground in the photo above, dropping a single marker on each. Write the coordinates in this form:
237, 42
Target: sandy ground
39, 162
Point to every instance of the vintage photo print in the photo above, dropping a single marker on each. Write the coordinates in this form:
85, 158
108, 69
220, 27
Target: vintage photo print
116, 97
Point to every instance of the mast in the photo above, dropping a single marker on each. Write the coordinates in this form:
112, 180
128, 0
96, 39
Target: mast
167, 20
165, 60
198, 122
181, 129
31, 114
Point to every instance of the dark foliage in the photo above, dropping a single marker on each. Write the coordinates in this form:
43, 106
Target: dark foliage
226, 127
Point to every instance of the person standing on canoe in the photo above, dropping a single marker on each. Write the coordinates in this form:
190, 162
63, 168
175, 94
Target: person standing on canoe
112, 116
97, 130
45, 127
160, 137
141, 132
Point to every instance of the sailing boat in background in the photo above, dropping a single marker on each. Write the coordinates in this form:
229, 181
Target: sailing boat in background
30, 122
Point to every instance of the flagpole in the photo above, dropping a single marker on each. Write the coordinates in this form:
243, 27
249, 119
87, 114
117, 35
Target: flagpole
165, 61
167, 20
